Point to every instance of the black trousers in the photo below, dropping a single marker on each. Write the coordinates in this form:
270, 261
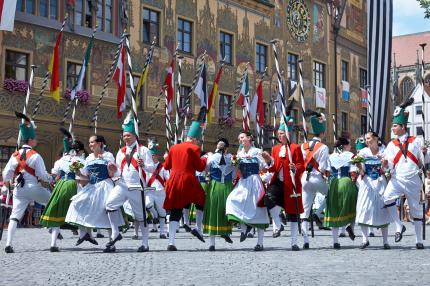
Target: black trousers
176, 214
275, 197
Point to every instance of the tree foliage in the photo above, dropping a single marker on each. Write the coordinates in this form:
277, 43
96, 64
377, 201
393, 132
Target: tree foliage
425, 4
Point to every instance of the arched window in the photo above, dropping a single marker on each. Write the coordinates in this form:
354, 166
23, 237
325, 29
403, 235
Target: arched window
427, 79
407, 87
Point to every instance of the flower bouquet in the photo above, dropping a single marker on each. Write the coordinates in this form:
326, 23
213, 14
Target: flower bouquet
235, 160
357, 160
76, 166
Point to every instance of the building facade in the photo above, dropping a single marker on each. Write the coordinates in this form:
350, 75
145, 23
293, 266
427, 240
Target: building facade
407, 55
239, 31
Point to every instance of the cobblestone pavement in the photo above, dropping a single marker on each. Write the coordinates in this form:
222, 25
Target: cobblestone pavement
235, 264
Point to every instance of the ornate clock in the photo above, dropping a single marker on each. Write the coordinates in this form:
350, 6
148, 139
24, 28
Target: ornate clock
298, 20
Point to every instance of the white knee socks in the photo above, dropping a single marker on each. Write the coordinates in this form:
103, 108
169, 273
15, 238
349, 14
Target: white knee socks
212, 240
173, 225
305, 226
186, 215
11, 229
418, 231
394, 215
260, 232
114, 220
335, 234
162, 224
384, 232
274, 212
294, 231
54, 236
145, 235
364, 232
199, 220
136, 227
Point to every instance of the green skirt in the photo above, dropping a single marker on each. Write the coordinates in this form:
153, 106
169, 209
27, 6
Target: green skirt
235, 219
341, 202
215, 221
56, 209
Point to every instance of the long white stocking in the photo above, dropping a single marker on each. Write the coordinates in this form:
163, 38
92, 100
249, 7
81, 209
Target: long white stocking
335, 234
260, 232
274, 213
199, 220
384, 231
11, 229
173, 225
145, 235
395, 217
294, 231
364, 233
54, 236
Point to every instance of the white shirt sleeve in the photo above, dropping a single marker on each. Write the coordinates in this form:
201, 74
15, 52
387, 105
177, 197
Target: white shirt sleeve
145, 154
324, 159
56, 170
40, 169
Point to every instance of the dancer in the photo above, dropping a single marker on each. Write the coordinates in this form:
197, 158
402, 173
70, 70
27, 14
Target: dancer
222, 172
183, 187
281, 191
241, 206
404, 156
87, 209
133, 160
315, 155
27, 169
65, 168
342, 194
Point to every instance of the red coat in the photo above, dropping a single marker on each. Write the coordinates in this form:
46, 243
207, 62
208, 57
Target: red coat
183, 187
297, 156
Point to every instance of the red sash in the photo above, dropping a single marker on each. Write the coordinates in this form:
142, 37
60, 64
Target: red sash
22, 162
133, 162
404, 151
310, 155
156, 175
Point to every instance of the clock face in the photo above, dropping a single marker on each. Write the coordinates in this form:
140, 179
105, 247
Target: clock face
298, 20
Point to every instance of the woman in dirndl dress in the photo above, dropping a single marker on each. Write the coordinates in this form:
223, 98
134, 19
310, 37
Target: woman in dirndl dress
54, 215
371, 186
88, 207
221, 172
342, 194
241, 206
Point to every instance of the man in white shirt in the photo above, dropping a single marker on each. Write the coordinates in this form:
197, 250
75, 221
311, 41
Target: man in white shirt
404, 156
315, 156
26, 169
132, 160
155, 194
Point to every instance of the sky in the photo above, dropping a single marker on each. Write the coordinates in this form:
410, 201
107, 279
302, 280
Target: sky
408, 18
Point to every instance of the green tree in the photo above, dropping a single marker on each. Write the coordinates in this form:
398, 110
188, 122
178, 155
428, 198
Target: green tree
426, 5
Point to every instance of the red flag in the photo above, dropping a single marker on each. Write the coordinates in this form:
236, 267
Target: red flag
119, 77
54, 69
213, 94
168, 86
